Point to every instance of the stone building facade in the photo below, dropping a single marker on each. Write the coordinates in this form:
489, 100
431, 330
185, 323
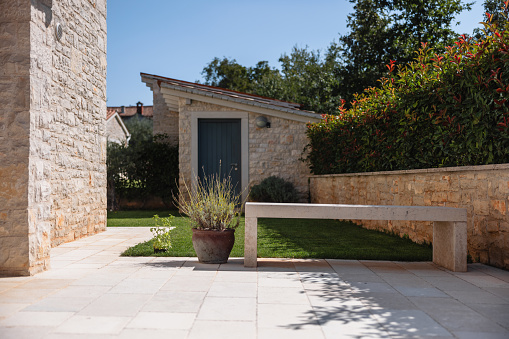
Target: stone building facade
178, 106
52, 128
166, 121
278, 151
482, 190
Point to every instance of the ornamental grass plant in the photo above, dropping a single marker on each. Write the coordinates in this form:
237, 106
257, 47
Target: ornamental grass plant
210, 204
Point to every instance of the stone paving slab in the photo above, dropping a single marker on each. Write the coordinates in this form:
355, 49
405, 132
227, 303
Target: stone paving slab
92, 292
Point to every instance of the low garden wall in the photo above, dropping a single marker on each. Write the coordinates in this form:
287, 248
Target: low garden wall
482, 190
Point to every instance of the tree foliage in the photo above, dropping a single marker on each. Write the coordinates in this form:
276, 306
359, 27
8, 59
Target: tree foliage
496, 8
494, 11
380, 31
146, 167
229, 74
140, 130
442, 109
309, 79
305, 78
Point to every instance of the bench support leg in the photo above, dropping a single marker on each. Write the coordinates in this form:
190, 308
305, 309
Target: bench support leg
251, 242
450, 245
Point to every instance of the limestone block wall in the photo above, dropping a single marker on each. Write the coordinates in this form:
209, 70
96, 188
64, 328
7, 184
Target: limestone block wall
57, 119
165, 121
277, 151
78, 143
14, 135
482, 190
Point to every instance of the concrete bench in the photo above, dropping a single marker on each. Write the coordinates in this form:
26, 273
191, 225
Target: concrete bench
449, 225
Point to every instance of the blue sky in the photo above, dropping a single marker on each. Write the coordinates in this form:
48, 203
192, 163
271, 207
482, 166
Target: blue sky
177, 39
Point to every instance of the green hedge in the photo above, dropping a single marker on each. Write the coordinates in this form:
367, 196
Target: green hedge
440, 110
143, 169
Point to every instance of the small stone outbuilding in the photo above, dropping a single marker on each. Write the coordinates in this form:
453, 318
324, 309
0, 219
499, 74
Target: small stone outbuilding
246, 136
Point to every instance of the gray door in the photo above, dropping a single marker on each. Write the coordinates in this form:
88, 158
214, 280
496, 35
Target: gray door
219, 149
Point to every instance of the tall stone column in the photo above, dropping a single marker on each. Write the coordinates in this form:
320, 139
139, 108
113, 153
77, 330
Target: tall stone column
52, 128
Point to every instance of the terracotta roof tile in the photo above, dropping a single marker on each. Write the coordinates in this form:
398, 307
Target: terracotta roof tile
129, 111
110, 111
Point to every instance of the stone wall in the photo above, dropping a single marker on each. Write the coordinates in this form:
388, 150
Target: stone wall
14, 135
57, 118
277, 151
482, 190
165, 121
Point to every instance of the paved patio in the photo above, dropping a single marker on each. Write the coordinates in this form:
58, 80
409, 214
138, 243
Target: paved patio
91, 292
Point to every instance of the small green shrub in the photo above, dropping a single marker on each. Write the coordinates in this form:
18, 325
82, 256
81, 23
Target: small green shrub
274, 189
162, 237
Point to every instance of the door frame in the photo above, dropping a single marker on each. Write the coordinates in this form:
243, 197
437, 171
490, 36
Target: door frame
244, 140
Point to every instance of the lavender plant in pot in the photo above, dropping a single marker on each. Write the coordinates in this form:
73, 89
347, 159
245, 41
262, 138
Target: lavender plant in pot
213, 208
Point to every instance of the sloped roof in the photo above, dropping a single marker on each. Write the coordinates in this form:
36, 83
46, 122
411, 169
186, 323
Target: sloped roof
110, 111
228, 95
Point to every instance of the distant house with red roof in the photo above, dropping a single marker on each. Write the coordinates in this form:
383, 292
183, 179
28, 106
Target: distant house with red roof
117, 116
127, 112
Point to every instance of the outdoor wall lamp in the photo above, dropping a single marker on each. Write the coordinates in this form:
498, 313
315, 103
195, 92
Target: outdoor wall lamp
262, 122
59, 31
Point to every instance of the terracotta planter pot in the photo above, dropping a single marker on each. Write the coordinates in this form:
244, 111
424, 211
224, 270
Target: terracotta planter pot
213, 247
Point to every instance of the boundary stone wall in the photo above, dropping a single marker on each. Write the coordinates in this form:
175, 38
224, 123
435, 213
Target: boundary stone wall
482, 190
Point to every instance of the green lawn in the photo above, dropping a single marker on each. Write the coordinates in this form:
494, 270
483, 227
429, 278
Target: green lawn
285, 238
